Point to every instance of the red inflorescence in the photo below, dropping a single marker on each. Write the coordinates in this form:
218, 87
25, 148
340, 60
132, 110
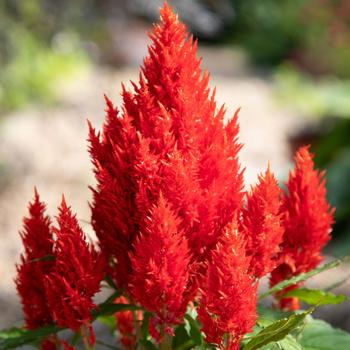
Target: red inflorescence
76, 276
160, 266
36, 262
262, 225
169, 137
228, 302
169, 212
308, 220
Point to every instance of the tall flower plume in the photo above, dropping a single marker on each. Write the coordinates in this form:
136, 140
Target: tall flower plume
161, 266
36, 263
308, 220
262, 224
76, 276
169, 137
228, 302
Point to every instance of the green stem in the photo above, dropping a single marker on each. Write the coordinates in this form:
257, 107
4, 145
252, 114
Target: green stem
85, 338
137, 325
166, 342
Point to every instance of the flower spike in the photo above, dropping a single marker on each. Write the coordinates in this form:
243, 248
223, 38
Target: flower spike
308, 220
36, 262
76, 276
228, 302
161, 266
262, 224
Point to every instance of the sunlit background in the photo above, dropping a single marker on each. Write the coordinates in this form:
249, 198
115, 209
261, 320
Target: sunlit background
286, 63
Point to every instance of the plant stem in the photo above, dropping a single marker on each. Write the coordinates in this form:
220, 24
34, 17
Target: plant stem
166, 342
137, 325
85, 338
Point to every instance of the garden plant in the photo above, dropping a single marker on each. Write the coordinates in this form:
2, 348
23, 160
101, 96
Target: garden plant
182, 245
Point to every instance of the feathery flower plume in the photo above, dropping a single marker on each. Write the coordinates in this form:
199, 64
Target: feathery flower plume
161, 267
308, 220
262, 224
227, 308
125, 325
77, 274
36, 262
169, 137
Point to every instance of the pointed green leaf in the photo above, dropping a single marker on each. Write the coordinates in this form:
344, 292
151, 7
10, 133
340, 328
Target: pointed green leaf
303, 276
316, 296
194, 330
276, 331
106, 309
16, 337
319, 335
288, 343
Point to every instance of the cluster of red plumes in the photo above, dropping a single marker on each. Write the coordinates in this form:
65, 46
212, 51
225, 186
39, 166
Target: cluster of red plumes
57, 278
174, 223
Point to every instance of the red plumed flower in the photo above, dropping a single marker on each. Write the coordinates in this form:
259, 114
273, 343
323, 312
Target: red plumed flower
77, 274
308, 219
262, 224
126, 325
169, 137
161, 266
228, 302
36, 263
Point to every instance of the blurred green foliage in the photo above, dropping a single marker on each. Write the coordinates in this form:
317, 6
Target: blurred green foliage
268, 29
313, 34
320, 97
333, 153
34, 54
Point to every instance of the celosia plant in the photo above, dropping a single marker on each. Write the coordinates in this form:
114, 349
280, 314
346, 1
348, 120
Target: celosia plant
180, 243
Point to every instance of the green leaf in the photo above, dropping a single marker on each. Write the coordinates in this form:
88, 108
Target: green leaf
194, 330
316, 296
288, 343
10, 333
181, 337
15, 337
303, 276
276, 331
106, 309
272, 314
112, 297
110, 282
319, 335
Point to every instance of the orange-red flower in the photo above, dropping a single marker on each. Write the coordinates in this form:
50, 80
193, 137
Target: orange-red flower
308, 220
36, 262
168, 137
161, 266
262, 224
228, 302
76, 276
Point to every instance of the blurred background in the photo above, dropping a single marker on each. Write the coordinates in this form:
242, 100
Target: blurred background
286, 63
